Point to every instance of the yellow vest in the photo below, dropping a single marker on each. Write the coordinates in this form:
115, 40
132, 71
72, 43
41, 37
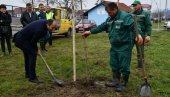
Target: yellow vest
49, 15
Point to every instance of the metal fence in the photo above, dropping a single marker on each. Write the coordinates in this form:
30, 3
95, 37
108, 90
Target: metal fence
15, 12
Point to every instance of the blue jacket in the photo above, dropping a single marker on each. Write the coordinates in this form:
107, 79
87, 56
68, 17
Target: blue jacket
41, 15
31, 34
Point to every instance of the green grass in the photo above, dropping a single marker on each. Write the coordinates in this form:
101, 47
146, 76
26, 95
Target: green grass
59, 57
155, 25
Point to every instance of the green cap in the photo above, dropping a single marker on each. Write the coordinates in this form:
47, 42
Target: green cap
136, 2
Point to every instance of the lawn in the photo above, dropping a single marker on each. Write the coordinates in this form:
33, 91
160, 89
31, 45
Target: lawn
92, 57
155, 25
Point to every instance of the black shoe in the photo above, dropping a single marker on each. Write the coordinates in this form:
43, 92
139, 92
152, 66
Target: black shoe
35, 81
116, 80
120, 88
114, 83
45, 50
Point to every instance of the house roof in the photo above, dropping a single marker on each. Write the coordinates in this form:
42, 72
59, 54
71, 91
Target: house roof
146, 6
121, 6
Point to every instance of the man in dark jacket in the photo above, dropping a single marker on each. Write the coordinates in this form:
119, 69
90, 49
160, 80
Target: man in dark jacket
28, 16
42, 15
27, 39
5, 29
41, 12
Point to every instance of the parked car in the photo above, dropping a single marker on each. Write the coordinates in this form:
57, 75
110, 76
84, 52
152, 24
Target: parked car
85, 25
167, 25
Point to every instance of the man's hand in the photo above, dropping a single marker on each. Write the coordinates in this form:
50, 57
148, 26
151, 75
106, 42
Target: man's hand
147, 39
139, 39
86, 34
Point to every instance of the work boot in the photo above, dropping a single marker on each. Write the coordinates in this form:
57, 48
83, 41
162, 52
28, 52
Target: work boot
35, 81
115, 82
122, 86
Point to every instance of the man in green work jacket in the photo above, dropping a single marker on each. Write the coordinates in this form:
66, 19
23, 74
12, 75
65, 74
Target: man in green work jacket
143, 19
122, 35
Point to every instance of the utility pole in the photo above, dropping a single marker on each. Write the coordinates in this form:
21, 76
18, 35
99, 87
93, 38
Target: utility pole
82, 13
33, 4
47, 2
158, 14
165, 10
160, 11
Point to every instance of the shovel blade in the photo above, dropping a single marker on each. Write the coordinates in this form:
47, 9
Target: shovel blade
59, 82
145, 91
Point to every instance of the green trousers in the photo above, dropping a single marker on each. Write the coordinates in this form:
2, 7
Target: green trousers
120, 60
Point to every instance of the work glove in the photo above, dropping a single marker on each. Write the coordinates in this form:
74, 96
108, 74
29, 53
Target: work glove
86, 34
139, 39
147, 39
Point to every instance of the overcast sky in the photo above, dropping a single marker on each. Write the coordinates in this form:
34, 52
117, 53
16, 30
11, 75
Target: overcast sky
90, 3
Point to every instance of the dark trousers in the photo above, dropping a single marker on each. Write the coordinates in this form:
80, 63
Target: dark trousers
42, 45
7, 38
30, 57
44, 41
50, 39
30, 64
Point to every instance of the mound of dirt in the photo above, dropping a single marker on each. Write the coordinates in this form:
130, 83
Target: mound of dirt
80, 88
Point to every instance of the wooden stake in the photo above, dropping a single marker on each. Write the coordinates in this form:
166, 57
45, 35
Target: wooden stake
74, 48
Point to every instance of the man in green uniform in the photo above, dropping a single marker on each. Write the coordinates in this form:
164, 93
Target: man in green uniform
122, 35
143, 19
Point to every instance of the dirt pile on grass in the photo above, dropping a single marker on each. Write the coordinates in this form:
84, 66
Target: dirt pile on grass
80, 88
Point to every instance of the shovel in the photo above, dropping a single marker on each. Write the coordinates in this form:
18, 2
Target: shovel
145, 89
57, 81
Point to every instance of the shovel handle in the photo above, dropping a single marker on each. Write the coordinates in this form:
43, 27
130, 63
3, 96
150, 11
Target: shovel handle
50, 71
140, 49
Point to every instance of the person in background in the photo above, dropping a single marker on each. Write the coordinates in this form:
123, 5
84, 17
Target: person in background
27, 38
5, 29
143, 19
49, 15
41, 12
122, 35
28, 16
42, 15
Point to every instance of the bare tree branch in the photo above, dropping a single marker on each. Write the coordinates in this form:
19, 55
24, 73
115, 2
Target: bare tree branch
27, 1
